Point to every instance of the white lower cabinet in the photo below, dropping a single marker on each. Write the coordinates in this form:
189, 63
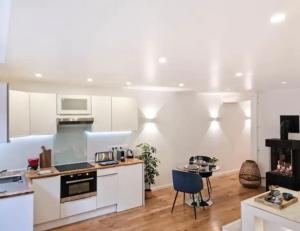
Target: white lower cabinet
16, 213
46, 199
130, 187
72, 208
118, 189
107, 187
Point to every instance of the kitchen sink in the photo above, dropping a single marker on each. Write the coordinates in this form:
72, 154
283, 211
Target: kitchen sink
10, 179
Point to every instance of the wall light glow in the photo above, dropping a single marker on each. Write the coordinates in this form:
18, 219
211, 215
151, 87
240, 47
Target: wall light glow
248, 123
150, 127
214, 112
249, 81
150, 113
214, 125
246, 106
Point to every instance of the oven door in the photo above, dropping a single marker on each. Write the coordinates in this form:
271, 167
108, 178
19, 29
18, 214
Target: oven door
78, 186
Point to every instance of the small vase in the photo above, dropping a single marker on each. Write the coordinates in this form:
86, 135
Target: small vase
148, 193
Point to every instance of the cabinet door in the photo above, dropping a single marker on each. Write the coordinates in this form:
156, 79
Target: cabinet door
16, 213
46, 199
107, 187
130, 187
42, 114
101, 110
3, 113
18, 114
124, 114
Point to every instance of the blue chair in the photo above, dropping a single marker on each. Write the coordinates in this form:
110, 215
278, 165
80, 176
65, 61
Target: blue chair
187, 182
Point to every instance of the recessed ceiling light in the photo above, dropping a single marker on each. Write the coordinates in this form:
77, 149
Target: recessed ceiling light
277, 18
284, 82
128, 83
162, 59
239, 74
38, 75
181, 85
89, 80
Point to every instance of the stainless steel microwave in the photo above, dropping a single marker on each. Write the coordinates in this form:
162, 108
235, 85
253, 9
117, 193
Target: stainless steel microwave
73, 105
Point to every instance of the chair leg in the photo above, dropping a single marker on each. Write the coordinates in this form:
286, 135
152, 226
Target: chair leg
209, 184
208, 188
174, 201
202, 203
194, 204
183, 198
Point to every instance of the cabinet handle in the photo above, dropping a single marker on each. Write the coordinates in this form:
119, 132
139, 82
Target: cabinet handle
108, 174
77, 181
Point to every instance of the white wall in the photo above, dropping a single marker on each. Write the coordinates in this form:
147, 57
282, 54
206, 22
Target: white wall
272, 104
4, 27
183, 126
3, 112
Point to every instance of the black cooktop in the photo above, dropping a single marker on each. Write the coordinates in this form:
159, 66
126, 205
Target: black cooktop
71, 167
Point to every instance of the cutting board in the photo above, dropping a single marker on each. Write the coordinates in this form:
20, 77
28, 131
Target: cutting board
45, 158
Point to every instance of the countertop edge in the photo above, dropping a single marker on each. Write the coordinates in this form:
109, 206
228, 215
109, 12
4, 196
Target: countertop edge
16, 194
34, 174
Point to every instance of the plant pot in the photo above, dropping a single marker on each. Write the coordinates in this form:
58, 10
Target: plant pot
148, 193
211, 167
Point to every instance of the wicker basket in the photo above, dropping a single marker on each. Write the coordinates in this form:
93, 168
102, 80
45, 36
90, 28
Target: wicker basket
250, 175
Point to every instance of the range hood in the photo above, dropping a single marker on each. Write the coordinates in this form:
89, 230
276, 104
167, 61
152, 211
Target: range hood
74, 120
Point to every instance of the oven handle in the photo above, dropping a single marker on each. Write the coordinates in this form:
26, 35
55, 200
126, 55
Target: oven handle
81, 180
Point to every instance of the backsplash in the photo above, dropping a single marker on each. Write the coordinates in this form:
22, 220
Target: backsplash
70, 144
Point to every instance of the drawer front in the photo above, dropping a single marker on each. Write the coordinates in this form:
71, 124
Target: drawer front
79, 206
107, 171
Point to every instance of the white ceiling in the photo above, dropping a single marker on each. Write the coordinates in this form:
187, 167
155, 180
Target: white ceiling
113, 41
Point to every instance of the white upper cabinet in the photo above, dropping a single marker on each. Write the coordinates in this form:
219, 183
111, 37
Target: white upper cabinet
124, 114
3, 113
42, 113
101, 111
19, 114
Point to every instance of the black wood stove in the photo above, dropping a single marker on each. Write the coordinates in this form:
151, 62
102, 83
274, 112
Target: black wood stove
285, 164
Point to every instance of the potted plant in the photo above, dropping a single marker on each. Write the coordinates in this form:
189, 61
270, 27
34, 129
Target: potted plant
146, 154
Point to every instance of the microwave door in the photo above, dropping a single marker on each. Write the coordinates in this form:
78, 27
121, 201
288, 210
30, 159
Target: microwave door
73, 105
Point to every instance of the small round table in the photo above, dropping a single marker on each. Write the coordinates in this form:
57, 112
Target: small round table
201, 170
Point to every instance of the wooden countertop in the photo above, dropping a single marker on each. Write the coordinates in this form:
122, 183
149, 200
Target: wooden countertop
15, 189
26, 187
54, 172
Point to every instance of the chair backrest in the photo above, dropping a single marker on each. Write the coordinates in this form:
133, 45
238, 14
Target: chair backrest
187, 182
205, 158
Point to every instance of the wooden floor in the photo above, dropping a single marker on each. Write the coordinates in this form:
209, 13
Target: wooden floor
156, 216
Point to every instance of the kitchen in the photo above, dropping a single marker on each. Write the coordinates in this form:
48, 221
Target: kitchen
74, 189
147, 115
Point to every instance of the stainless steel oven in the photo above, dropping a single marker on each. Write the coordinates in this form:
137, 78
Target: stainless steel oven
78, 186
